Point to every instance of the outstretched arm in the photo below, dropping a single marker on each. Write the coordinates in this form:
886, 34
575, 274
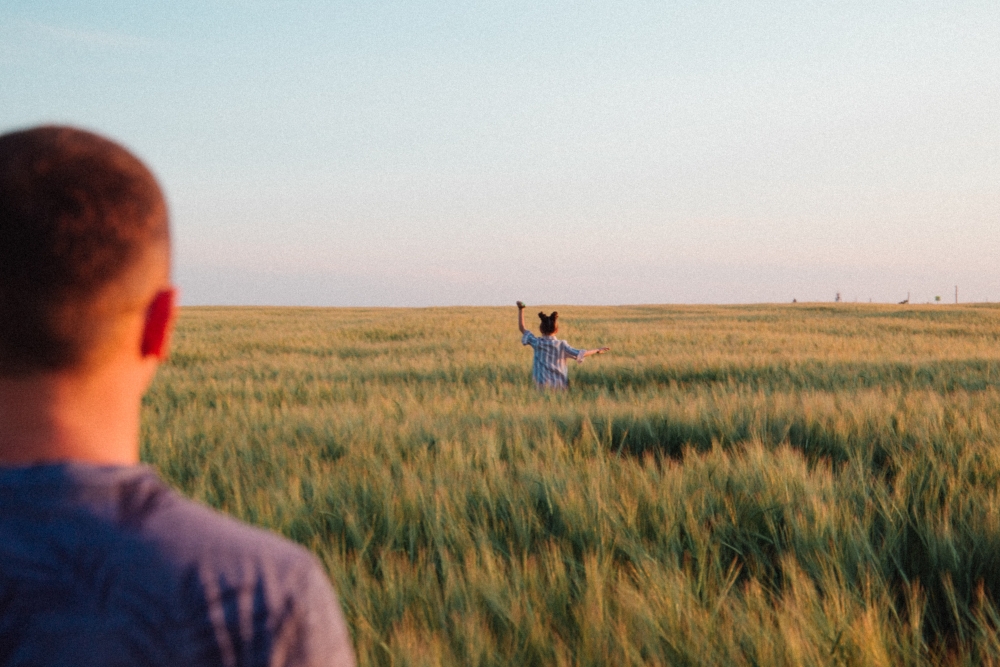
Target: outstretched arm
520, 316
600, 350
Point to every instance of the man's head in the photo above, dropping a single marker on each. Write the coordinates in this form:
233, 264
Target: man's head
84, 246
548, 325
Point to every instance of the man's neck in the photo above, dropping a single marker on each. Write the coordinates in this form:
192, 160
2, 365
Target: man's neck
52, 417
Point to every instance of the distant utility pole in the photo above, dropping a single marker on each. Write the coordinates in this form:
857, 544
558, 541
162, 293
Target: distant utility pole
956, 294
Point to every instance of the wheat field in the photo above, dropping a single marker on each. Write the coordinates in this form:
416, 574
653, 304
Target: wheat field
749, 485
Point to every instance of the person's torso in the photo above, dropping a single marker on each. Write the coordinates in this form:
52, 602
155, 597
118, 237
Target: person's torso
549, 366
109, 566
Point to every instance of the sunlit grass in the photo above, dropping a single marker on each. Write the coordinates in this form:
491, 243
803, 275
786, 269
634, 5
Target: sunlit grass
758, 485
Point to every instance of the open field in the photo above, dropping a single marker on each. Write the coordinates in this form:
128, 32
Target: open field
759, 485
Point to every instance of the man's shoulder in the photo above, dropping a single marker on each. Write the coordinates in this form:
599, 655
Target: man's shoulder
130, 514
116, 558
251, 578
190, 533
132, 505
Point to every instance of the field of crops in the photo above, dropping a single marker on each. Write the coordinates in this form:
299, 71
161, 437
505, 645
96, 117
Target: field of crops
754, 485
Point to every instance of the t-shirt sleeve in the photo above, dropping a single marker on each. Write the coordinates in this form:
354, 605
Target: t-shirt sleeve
573, 353
315, 633
528, 339
255, 597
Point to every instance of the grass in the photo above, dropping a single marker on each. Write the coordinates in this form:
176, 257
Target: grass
758, 485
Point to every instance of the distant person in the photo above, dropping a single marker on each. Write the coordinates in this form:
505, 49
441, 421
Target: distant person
549, 367
101, 563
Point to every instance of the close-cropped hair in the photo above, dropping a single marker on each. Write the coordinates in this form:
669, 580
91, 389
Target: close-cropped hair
77, 211
548, 325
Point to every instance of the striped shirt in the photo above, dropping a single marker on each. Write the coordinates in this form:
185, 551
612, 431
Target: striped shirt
549, 368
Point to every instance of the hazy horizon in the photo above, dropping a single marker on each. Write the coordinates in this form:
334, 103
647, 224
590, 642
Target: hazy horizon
441, 153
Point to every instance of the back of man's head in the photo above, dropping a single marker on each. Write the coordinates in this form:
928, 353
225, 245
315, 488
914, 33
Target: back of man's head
80, 219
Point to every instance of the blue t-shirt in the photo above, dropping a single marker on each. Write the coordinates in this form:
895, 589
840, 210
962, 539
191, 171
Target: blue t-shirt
106, 565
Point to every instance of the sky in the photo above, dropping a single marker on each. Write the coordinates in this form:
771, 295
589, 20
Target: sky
435, 153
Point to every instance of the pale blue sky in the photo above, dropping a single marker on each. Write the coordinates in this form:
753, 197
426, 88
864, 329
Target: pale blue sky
438, 153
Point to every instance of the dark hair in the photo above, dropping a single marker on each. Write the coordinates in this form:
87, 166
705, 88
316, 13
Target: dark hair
548, 325
76, 212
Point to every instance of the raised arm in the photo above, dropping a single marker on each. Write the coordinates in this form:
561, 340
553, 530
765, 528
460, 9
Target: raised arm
520, 316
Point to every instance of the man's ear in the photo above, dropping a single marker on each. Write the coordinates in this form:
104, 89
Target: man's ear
159, 321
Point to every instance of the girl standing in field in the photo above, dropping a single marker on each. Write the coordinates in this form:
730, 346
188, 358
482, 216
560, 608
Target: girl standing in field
549, 368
